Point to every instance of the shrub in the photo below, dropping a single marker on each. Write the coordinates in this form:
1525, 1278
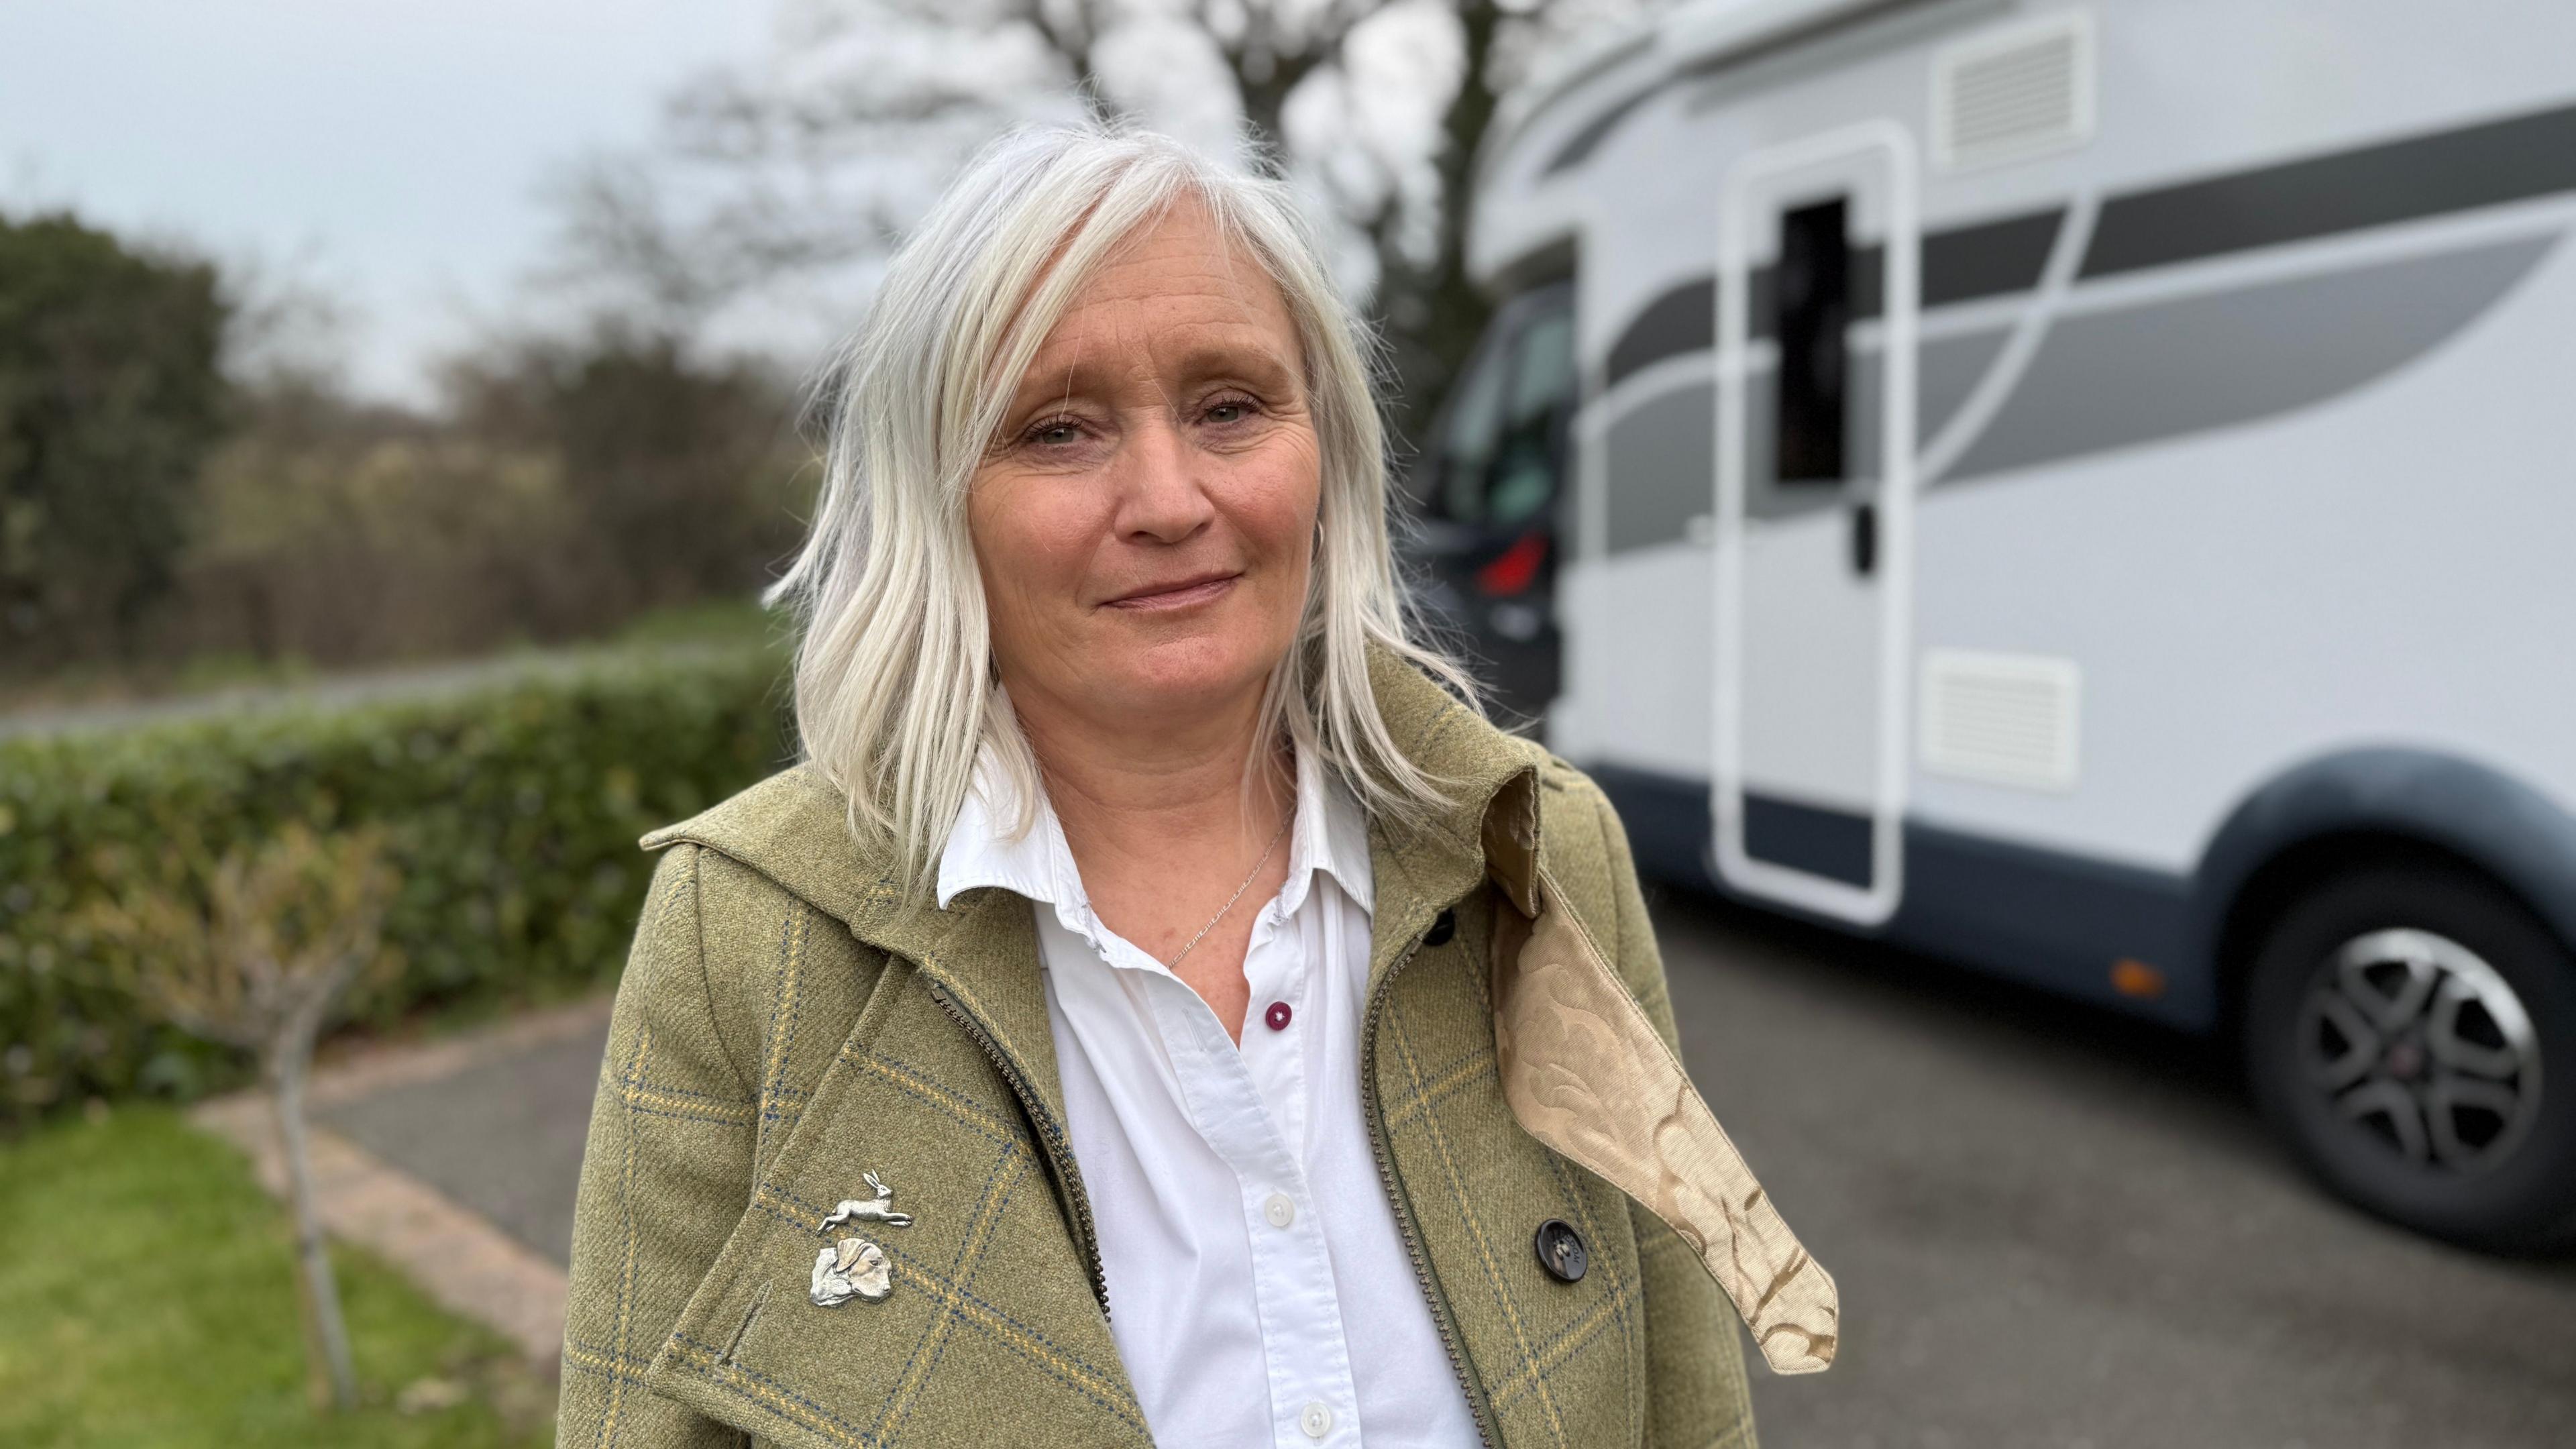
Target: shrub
511, 807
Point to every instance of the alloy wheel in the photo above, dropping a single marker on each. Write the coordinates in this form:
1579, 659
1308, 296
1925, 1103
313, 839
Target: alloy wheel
2424, 1047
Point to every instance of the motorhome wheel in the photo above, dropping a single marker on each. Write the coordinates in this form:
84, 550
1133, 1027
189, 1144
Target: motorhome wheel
2412, 1030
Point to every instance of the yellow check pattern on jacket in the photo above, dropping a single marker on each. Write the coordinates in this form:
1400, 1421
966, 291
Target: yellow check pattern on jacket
785, 1027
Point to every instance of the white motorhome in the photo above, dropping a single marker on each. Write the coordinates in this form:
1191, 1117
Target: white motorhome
2084, 489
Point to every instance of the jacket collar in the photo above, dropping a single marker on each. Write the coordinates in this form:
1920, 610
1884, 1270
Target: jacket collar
794, 827
979, 952
981, 949
1489, 827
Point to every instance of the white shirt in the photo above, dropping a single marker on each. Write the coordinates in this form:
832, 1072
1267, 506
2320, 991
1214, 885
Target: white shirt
1259, 1289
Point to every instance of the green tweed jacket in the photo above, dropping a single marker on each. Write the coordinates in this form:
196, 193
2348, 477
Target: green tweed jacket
785, 1029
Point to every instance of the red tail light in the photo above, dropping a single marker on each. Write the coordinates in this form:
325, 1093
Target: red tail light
1514, 569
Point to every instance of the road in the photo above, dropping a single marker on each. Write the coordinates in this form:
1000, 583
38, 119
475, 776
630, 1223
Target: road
2053, 1227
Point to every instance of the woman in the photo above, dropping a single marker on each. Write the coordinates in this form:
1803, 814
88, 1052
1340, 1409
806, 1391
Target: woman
1157, 1007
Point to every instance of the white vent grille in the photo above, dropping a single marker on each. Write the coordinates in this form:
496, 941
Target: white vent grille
2022, 91
2004, 719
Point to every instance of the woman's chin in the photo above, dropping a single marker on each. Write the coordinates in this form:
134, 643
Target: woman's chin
1177, 680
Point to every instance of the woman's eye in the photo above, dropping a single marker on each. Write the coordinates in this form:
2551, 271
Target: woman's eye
1230, 410
1055, 433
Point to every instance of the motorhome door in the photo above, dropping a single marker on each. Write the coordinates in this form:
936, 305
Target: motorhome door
1815, 451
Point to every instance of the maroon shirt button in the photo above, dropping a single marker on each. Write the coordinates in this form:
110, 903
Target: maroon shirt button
1277, 1016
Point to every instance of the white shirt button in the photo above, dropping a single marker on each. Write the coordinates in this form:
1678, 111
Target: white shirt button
1317, 1421
1280, 1210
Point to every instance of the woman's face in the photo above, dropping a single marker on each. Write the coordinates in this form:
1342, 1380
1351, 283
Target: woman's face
1144, 521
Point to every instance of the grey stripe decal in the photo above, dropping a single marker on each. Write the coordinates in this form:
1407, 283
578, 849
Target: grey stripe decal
1662, 453
2100, 381
2105, 380
2482, 165
1946, 371
1662, 466
2162, 369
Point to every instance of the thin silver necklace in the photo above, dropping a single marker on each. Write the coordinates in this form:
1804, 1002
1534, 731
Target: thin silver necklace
1175, 963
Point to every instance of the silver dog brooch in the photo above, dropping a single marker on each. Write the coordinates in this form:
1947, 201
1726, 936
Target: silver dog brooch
853, 1267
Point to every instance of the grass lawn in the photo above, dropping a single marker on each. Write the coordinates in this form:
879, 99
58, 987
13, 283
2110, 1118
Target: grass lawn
146, 1298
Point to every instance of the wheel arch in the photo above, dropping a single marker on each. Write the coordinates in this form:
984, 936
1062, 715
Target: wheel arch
2367, 806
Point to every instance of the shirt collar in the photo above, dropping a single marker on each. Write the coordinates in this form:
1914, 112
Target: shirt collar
1330, 835
982, 851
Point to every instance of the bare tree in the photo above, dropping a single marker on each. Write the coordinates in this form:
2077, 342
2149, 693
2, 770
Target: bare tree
815, 157
818, 158
260, 959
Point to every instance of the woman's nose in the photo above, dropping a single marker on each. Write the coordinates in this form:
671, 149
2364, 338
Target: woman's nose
1161, 493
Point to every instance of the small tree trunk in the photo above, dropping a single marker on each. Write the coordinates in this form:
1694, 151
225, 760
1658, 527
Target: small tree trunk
334, 1381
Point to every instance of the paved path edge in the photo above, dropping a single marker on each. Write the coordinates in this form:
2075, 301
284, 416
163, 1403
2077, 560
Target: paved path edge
463, 1262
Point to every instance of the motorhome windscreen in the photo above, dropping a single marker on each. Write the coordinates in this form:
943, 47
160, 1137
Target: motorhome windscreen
1812, 290
1501, 450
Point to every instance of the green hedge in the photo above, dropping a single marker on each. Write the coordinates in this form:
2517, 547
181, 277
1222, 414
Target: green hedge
513, 801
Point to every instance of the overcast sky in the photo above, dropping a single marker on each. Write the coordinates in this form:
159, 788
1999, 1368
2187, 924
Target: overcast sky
393, 151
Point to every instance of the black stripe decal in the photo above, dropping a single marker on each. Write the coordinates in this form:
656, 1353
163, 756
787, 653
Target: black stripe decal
2482, 165
1679, 321
1988, 259
1982, 259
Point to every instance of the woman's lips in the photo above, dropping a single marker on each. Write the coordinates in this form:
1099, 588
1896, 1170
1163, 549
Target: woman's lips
1176, 596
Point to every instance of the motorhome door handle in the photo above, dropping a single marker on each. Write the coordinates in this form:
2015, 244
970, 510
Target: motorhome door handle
1864, 539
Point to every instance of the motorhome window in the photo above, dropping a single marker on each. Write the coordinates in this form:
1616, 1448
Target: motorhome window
1812, 289
1533, 440
1475, 423
1502, 450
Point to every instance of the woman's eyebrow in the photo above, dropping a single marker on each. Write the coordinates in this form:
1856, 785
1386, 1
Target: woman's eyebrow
1047, 384
1251, 361
1255, 363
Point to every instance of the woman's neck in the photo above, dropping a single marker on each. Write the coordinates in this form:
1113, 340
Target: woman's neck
1175, 788
1164, 826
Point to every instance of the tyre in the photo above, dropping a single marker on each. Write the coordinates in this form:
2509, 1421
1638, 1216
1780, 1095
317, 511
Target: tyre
2411, 1029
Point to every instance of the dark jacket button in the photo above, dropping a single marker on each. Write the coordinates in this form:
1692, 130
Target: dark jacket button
1561, 1251
1441, 930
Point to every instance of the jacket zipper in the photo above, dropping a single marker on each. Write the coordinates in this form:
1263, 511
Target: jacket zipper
1403, 1215
1059, 1152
